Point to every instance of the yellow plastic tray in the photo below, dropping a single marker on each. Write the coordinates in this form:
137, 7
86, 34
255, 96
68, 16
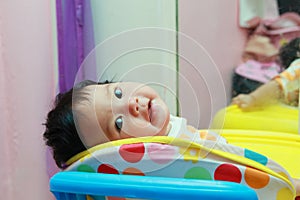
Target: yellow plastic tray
277, 117
281, 147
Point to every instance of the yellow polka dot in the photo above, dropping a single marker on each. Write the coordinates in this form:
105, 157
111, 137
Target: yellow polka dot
191, 154
284, 175
283, 41
88, 197
284, 194
255, 178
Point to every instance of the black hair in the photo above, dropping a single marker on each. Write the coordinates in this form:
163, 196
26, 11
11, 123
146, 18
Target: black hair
289, 52
61, 134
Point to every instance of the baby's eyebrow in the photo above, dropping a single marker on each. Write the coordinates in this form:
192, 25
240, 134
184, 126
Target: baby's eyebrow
107, 90
108, 119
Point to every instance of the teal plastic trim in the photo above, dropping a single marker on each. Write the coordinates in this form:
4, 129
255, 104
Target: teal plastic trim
75, 185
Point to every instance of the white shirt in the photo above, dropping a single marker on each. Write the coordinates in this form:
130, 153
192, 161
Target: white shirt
180, 129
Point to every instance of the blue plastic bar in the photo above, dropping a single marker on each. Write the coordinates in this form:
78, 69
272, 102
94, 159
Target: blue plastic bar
146, 187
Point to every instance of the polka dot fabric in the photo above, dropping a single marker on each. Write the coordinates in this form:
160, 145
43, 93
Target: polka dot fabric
172, 158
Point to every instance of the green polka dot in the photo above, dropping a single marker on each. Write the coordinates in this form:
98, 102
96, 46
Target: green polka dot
198, 173
85, 168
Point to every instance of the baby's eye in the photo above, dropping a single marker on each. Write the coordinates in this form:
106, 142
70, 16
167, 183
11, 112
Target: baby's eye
119, 123
118, 93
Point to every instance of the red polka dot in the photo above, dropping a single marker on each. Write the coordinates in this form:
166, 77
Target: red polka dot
132, 152
115, 198
107, 169
228, 172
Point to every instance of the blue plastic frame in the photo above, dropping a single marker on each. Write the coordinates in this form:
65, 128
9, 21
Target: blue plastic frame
76, 185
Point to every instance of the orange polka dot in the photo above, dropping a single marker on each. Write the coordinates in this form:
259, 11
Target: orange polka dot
203, 135
133, 171
287, 75
255, 178
207, 136
191, 129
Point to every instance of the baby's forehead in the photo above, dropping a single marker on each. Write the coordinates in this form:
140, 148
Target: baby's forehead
91, 90
83, 98
91, 131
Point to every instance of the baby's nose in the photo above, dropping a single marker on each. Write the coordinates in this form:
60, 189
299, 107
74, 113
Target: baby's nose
136, 104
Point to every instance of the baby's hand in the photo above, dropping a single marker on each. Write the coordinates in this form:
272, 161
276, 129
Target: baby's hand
244, 101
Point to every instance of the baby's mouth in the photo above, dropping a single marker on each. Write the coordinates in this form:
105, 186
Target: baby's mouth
150, 110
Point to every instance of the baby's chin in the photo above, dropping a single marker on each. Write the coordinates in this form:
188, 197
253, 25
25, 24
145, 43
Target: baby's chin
166, 133
165, 130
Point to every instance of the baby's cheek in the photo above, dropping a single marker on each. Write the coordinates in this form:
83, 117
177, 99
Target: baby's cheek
165, 129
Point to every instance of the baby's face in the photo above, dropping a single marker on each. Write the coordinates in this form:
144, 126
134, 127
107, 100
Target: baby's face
126, 110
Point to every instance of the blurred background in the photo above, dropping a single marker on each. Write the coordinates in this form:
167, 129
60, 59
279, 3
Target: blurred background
188, 50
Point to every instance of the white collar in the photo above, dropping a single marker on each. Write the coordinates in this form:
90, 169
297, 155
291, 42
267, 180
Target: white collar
178, 125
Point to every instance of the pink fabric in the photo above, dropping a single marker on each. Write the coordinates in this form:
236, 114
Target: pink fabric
27, 87
262, 72
280, 30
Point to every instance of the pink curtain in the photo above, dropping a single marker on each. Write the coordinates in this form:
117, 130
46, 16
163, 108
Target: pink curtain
27, 87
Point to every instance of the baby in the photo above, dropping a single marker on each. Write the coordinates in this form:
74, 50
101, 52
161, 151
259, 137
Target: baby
94, 113
284, 87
